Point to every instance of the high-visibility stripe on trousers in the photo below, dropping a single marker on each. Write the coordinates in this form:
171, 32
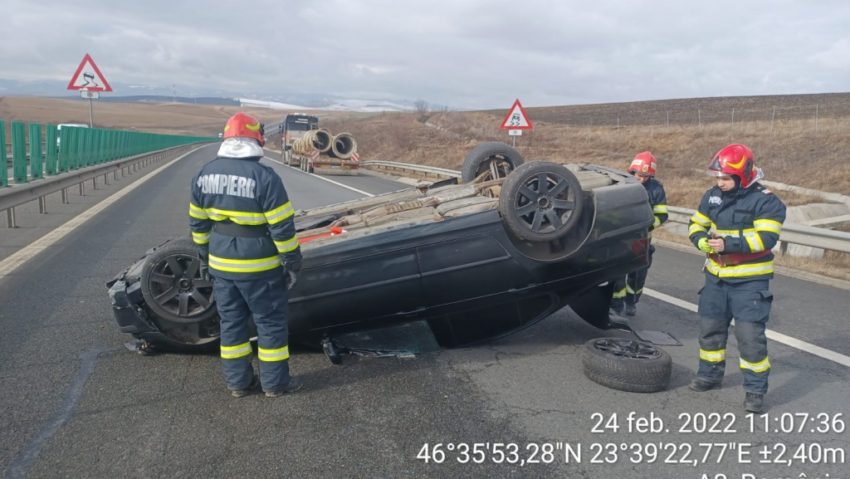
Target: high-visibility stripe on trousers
749, 304
628, 290
264, 300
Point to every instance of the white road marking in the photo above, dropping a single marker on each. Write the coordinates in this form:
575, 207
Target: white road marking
773, 335
323, 178
12, 262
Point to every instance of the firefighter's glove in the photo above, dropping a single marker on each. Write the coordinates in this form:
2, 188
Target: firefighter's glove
703, 246
290, 280
292, 263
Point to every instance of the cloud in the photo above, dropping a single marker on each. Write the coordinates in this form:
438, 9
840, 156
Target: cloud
470, 54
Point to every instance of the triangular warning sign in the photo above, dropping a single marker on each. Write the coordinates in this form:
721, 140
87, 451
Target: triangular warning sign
88, 77
517, 118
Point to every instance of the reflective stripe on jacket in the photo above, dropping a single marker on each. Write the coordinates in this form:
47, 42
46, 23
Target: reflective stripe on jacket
243, 192
657, 200
749, 220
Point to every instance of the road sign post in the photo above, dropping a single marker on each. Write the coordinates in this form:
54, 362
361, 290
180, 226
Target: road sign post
513, 134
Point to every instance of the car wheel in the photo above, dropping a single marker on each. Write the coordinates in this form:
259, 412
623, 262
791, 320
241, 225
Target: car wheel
178, 299
627, 364
494, 158
541, 201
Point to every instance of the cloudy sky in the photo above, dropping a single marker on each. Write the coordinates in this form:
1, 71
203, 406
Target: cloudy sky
464, 54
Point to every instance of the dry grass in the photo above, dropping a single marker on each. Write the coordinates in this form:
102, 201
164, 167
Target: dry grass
168, 118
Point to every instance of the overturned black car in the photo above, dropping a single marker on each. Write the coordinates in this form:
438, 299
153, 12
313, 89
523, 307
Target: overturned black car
472, 261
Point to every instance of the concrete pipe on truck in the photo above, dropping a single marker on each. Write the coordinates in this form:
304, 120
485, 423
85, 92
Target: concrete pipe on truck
343, 146
313, 140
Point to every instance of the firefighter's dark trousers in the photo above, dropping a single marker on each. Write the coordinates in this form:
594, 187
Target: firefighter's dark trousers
266, 300
749, 304
628, 290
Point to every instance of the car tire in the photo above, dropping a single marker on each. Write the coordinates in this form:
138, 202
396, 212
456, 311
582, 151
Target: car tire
179, 301
539, 212
489, 157
627, 364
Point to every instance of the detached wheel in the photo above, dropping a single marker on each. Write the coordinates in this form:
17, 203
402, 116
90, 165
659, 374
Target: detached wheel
541, 201
179, 300
627, 364
494, 158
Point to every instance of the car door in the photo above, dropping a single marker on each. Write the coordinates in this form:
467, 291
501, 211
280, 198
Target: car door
373, 279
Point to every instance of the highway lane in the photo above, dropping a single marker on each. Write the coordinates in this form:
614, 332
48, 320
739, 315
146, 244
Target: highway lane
75, 403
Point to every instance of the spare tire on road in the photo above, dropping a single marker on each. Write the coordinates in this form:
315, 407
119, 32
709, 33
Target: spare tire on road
627, 364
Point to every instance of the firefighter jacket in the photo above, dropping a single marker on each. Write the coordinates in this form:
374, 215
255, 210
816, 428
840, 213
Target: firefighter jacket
657, 200
749, 220
241, 216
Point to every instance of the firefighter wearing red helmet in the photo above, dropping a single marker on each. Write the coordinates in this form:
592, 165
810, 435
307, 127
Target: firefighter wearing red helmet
737, 224
627, 291
242, 224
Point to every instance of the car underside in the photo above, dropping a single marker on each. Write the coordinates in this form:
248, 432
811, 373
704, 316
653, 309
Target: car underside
473, 261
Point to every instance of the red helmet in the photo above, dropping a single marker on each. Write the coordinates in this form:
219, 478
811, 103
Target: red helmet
734, 160
644, 163
242, 125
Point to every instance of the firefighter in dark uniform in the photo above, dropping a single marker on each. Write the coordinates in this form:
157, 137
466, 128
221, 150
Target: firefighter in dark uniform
627, 290
242, 222
737, 224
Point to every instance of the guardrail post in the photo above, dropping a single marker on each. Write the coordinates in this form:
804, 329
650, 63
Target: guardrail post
4, 172
36, 165
19, 152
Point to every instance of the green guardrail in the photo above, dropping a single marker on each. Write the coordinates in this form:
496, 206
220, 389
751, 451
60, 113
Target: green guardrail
4, 171
54, 150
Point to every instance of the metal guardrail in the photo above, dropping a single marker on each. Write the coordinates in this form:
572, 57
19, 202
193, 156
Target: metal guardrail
24, 193
415, 170
791, 233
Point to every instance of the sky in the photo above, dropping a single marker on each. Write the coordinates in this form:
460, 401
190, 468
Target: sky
460, 54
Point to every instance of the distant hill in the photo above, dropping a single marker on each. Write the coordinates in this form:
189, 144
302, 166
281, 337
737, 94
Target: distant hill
697, 110
170, 99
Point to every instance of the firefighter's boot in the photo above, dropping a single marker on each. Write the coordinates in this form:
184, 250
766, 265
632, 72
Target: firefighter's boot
754, 402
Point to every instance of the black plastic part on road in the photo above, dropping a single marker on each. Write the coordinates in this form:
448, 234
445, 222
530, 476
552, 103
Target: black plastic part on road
627, 364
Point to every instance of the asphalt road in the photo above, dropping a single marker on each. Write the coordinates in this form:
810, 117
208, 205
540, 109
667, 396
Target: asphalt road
76, 403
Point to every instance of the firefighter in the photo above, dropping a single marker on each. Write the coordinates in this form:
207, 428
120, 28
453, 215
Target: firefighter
736, 225
242, 223
627, 290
